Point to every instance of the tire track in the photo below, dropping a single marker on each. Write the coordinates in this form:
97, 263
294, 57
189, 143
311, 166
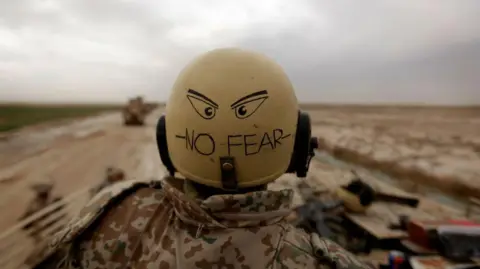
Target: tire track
66, 174
75, 160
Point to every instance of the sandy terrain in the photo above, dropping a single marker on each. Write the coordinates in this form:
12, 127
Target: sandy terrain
75, 155
442, 143
437, 146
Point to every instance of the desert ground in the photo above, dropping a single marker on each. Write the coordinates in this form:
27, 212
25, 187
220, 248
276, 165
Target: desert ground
436, 146
73, 155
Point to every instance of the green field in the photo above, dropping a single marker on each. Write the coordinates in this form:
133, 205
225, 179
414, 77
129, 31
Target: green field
15, 116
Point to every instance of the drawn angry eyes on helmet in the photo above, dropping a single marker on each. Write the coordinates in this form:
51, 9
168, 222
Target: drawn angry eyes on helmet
243, 108
204, 106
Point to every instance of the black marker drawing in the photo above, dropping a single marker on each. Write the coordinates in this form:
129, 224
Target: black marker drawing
249, 144
204, 106
252, 143
247, 105
201, 143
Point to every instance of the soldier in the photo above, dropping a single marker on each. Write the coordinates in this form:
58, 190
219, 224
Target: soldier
232, 125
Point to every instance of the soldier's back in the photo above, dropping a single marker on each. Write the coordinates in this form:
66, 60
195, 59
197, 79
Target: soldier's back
161, 228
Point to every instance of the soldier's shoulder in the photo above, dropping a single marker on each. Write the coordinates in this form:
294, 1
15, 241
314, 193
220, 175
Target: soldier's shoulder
322, 250
101, 203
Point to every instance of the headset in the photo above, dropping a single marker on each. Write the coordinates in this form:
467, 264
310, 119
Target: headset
303, 151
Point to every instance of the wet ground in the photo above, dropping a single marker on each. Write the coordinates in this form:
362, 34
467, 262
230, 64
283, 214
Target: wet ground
436, 146
75, 155
429, 192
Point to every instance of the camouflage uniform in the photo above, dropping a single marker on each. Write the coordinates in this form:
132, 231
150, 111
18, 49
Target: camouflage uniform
155, 224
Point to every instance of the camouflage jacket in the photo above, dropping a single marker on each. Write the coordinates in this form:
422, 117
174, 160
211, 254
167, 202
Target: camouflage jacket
156, 225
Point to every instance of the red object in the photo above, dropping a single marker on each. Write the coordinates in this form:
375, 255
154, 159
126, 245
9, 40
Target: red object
418, 230
464, 223
396, 259
397, 262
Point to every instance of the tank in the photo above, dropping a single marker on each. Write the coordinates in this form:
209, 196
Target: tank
22, 246
45, 215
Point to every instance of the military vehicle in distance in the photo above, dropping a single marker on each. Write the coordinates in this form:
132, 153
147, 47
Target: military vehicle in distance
134, 113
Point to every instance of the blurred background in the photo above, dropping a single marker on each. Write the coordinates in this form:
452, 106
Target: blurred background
391, 86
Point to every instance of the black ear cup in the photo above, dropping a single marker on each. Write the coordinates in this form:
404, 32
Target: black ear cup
162, 145
303, 148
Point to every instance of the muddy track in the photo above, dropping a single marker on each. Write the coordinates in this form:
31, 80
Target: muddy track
73, 157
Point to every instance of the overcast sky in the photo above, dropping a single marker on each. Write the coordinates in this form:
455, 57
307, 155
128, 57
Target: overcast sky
421, 51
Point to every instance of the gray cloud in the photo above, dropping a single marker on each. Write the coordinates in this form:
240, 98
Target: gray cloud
424, 51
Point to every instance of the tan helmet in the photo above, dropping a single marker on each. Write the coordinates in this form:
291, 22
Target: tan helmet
231, 112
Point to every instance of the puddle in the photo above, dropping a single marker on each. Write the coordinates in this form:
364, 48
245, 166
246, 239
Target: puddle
427, 191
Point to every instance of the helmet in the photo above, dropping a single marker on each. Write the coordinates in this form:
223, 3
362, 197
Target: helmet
230, 121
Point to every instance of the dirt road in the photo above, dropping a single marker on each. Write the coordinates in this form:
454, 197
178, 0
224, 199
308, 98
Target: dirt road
74, 156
